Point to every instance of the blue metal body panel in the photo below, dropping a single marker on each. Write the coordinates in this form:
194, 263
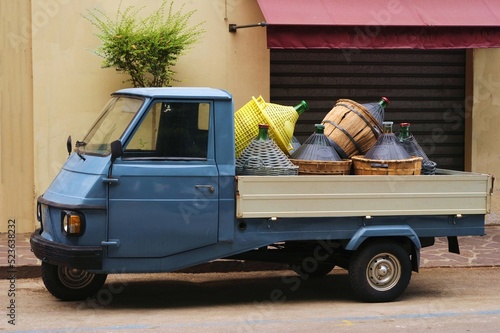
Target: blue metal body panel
261, 232
79, 182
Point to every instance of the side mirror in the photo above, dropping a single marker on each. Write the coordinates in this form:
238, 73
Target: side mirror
69, 145
116, 150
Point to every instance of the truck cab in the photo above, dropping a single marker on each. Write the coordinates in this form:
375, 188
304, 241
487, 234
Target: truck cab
162, 195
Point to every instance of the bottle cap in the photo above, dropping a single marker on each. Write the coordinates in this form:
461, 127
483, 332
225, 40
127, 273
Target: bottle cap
404, 124
386, 100
263, 126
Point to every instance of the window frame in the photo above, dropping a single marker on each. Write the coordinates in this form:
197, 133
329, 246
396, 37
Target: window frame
210, 135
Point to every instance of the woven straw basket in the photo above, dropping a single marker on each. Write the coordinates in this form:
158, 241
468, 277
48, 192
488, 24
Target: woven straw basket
323, 167
366, 166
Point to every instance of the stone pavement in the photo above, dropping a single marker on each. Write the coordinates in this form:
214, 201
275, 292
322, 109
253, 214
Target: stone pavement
475, 251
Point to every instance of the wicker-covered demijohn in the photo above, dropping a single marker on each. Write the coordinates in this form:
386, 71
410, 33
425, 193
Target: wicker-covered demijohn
317, 156
262, 157
410, 144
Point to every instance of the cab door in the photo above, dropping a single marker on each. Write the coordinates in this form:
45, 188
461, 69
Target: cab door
165, 197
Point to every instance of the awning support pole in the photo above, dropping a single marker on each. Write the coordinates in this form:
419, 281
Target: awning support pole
234, 27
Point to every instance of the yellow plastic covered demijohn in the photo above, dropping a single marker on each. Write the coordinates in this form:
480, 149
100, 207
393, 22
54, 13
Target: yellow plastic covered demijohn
281, 120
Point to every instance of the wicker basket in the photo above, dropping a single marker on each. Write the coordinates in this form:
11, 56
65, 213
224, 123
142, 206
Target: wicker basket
255, 166
264, 158
351, 126
323, 167
365, 166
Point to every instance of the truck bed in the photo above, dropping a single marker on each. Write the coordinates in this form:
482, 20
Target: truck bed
446, 193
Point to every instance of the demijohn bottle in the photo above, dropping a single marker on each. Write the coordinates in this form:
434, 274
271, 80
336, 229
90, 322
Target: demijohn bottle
411, 145
377, 109
263, 157
317, 147
387, 146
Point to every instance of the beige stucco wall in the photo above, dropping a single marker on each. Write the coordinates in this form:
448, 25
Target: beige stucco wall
486, 120
70, 88
16, 117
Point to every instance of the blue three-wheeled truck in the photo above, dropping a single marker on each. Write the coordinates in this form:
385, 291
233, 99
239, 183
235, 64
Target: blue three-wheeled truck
152, 188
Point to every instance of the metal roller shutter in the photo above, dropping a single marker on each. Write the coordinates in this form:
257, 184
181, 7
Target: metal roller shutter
425, 87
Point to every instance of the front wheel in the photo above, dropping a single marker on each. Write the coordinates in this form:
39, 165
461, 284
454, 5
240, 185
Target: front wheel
70, 284
380, 271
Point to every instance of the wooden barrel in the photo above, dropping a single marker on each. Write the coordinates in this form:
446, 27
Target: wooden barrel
351, 127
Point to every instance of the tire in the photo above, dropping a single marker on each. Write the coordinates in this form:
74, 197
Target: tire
70, 284
321, 269
380, 271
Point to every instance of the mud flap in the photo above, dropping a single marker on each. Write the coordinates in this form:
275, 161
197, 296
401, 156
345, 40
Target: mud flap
453, 246
415, 259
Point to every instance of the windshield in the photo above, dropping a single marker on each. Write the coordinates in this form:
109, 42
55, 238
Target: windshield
113, 121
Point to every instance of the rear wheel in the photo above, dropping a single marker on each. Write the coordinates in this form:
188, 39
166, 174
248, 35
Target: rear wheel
380, 271
71, 284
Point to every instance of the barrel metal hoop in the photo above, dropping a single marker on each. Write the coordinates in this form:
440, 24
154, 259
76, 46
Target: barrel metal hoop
374, 131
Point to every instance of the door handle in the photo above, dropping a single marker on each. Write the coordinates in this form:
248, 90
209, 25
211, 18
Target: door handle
111, 242
210, 188
110, 180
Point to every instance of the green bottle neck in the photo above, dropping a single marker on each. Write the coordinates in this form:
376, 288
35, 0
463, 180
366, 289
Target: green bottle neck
263, 133
384, 101
320, 129
301, 107
404, 131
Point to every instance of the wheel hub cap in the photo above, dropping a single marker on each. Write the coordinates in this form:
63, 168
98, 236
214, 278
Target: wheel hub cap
74, 278
383, 272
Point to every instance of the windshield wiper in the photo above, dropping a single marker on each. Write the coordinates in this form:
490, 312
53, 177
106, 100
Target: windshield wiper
79, 144
80, 155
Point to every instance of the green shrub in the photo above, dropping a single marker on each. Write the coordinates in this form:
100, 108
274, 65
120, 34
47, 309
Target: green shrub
144, 48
